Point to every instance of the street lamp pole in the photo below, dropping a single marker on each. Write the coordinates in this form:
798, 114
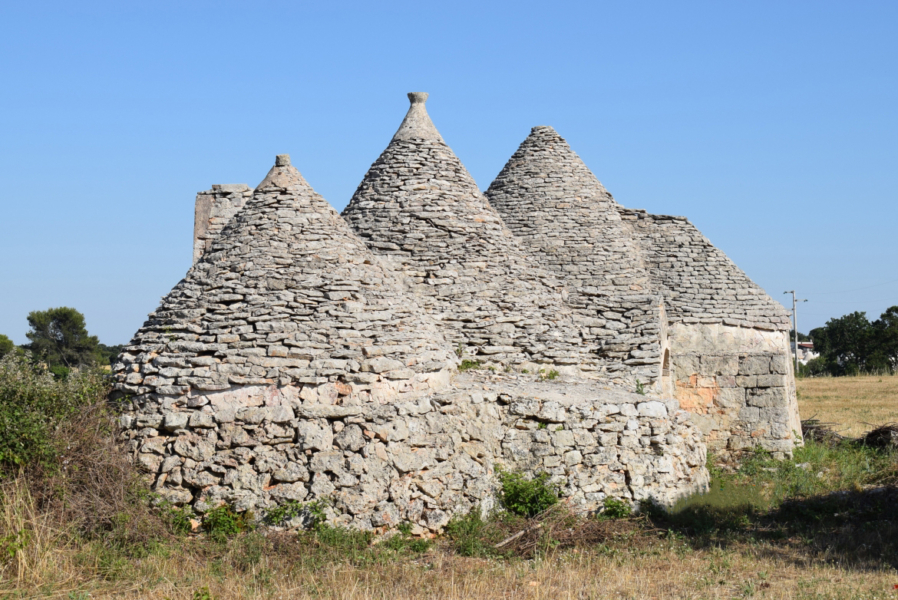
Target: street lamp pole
795, 302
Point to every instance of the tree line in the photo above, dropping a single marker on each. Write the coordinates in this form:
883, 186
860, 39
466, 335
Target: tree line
59, 338
853, 344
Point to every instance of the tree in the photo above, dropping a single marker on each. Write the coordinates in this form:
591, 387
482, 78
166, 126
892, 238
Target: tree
845, 343
6, 345
59, 337
885, 340
106, 355
801, 337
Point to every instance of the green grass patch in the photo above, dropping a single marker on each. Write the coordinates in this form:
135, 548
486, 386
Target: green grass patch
469, 365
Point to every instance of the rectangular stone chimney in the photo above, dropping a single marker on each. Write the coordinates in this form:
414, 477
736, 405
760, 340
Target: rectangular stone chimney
214, 208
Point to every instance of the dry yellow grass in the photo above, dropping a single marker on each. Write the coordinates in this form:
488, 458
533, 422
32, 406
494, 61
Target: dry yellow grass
854, 404
660, 570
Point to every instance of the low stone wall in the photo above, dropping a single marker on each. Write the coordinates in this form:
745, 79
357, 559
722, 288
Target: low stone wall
418, 461
739, 385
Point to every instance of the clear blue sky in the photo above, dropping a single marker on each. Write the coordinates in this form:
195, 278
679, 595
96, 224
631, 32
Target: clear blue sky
771, 125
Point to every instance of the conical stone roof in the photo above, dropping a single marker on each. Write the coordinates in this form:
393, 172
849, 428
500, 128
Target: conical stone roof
699, 282
286, 295
566, 218
420, 207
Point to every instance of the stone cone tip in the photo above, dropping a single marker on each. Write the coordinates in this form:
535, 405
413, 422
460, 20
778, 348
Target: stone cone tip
283, 175
417, 123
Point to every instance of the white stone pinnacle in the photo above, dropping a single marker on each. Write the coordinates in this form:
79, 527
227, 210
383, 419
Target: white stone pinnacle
417, 123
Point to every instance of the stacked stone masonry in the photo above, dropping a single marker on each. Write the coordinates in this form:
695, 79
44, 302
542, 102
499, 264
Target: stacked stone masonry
418, 461
419, 209
567, 219
718, 314
711, 309
307, 356
214, 209
286, 295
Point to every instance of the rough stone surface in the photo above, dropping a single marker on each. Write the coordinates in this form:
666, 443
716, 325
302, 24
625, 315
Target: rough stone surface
214, 209
739, 384
419, 461
617, 262
699, 282
567, 219
286, 295
419, 208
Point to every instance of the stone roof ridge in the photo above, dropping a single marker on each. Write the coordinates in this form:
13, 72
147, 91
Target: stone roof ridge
417, 123
623, 210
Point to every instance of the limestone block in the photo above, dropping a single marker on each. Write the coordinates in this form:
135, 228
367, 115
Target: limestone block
754, 365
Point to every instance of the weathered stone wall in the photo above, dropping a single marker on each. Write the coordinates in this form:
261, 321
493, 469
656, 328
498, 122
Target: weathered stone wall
739, 385
213, 210
419, 460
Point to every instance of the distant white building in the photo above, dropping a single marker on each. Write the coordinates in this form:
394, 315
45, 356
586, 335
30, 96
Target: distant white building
805, 351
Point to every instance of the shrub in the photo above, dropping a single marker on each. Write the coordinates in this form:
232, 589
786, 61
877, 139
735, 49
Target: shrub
527, 497
34, 406
178, 519
468, 365
223, 522
615, 509
312, 513
6, 346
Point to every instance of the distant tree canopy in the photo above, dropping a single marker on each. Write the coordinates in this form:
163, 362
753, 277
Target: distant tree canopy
852, 344
6, 345
801, 337
106, 355
59, 337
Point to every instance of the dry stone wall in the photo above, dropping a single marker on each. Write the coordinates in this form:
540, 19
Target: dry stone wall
739, 384
213, 210
418, 460
566, 218
420, 210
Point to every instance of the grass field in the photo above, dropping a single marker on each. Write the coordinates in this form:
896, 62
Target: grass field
823, 525
853, 404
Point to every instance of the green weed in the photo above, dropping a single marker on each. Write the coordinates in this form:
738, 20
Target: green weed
526, 497
468, 365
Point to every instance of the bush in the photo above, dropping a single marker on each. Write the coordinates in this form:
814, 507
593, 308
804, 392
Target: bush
34, 405
6, 346
615, 509
527, 497
222, 522
468, 365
